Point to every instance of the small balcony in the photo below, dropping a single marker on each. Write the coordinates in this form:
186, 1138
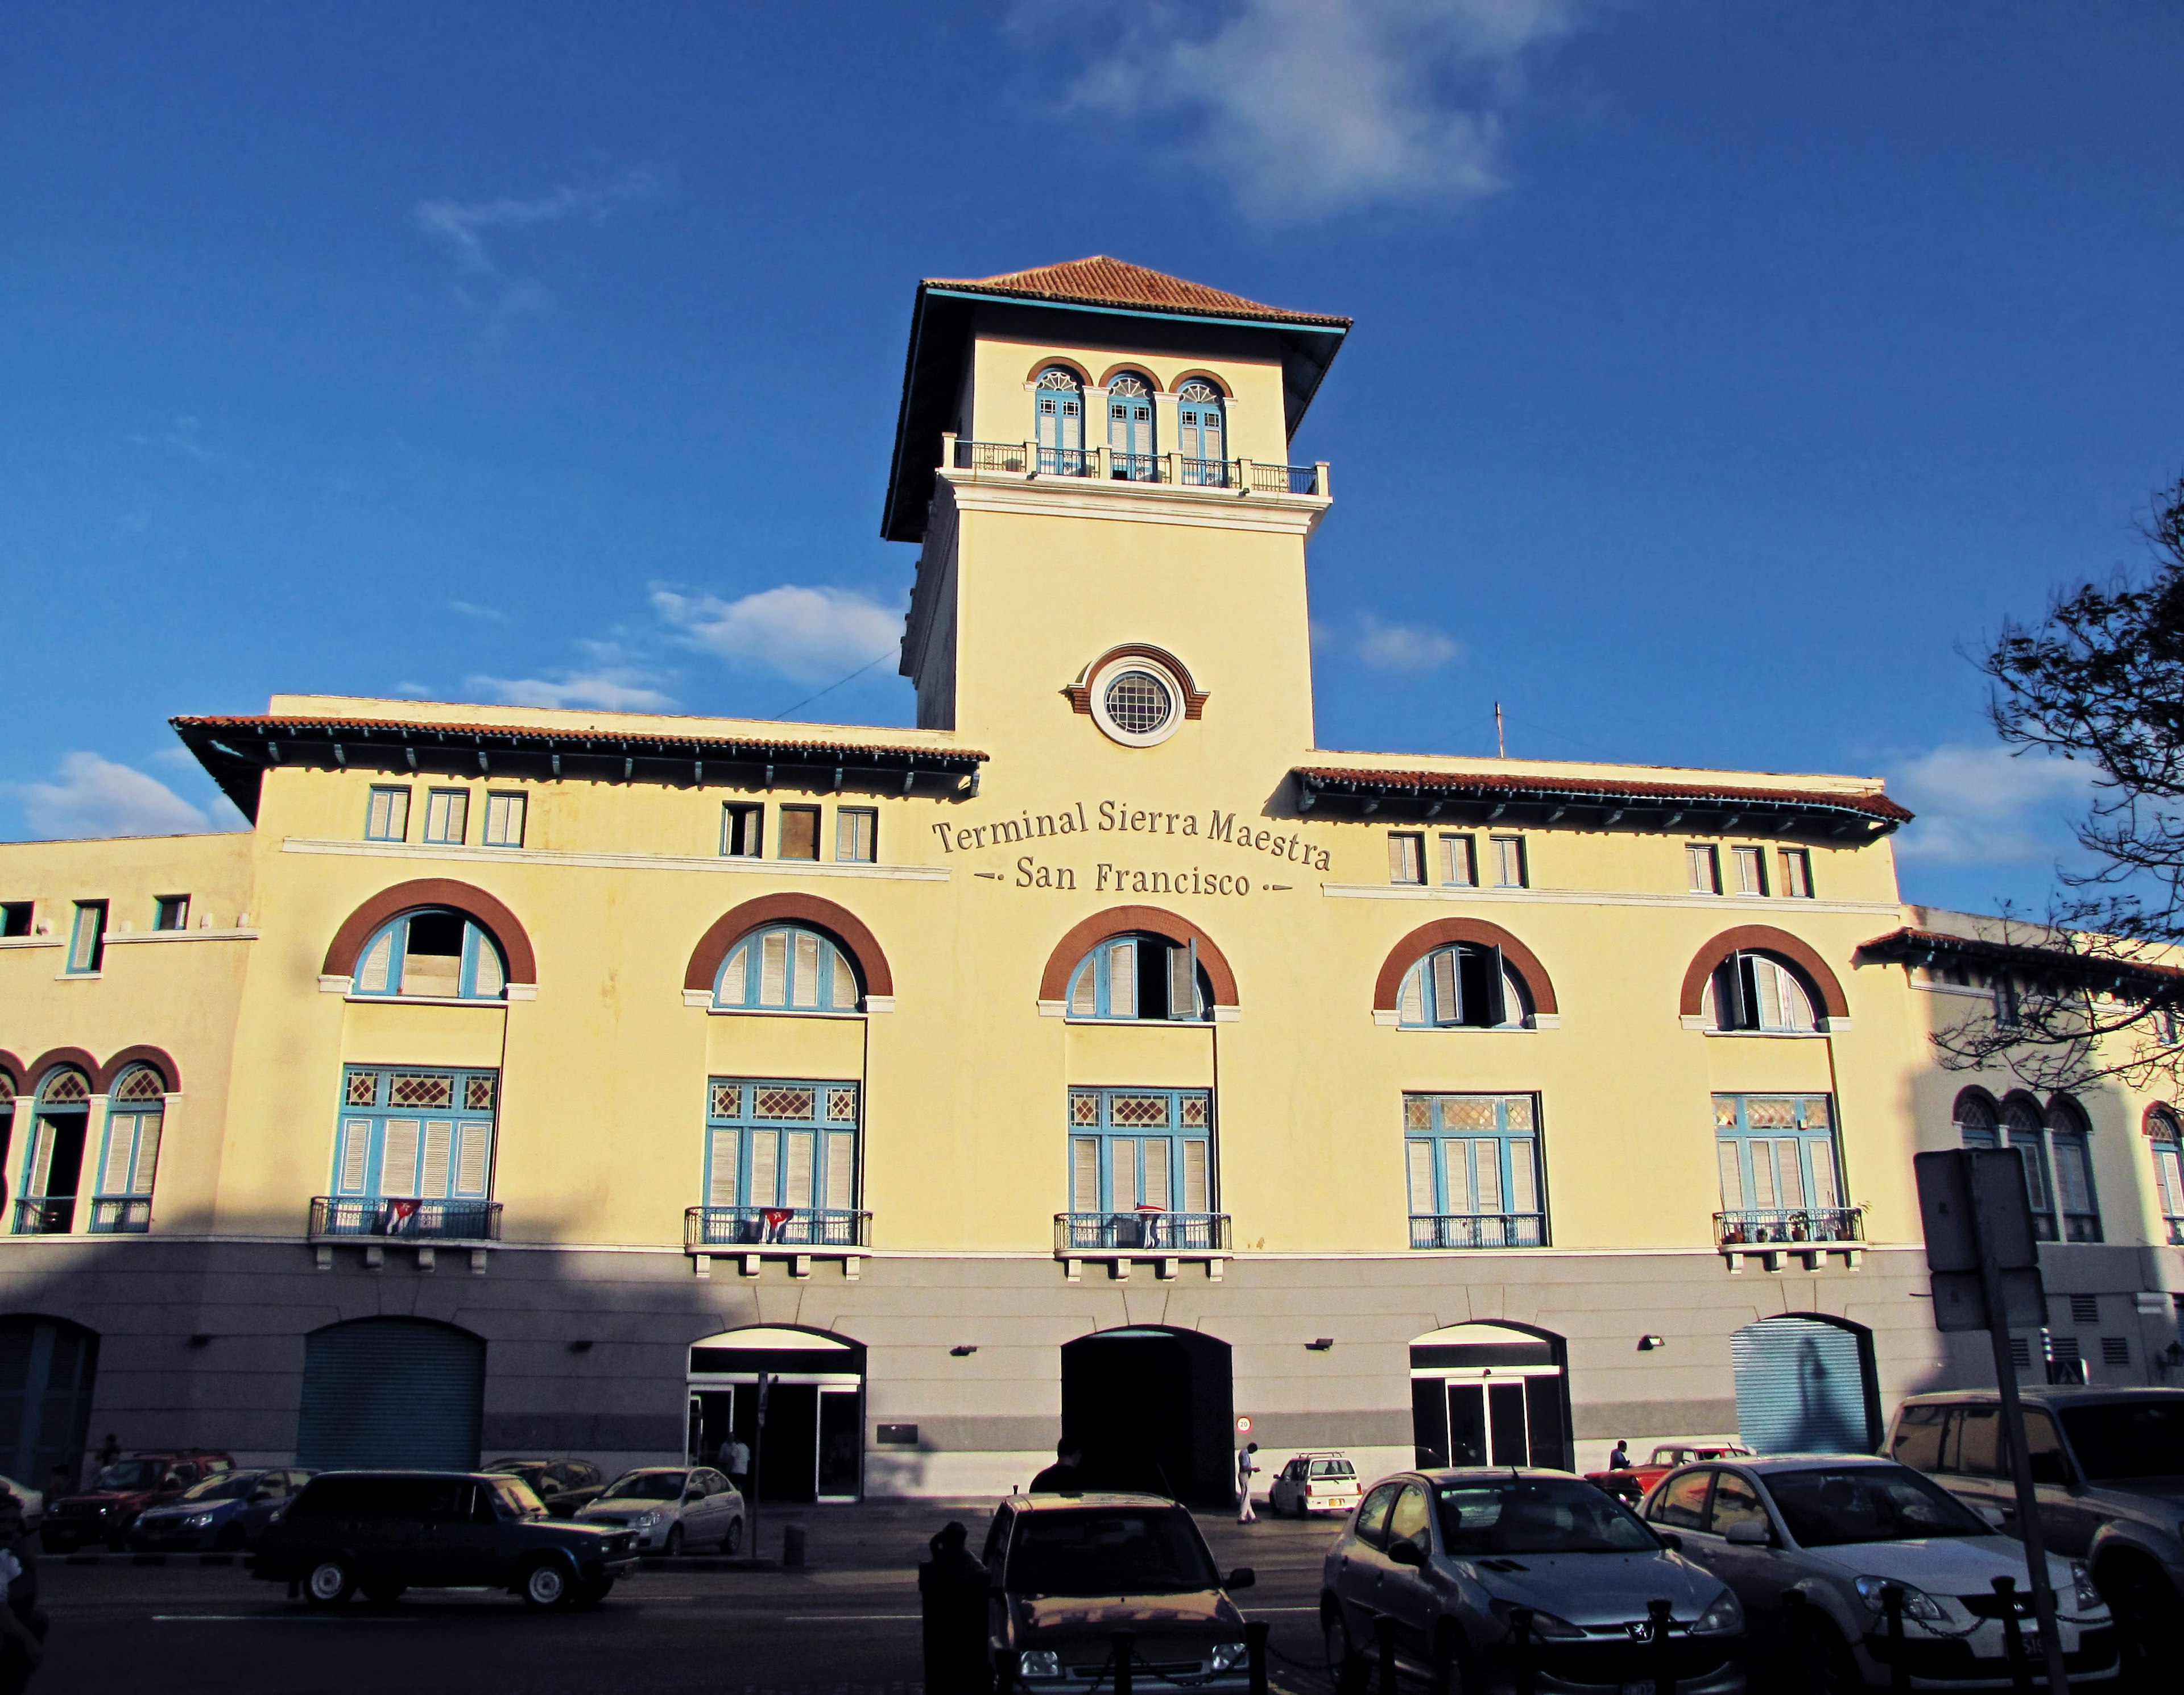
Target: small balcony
121, 1215
754, 1234
1146, 1235
1479, 1230
372, 1222
1768, 1233
1030, 461
45, 1215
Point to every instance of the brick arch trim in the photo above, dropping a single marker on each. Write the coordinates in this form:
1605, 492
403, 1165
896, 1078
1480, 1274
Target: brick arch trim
142, 1053
1761, 939
45, 1062
844, 926
1445, 932
1155, 921
12, 1068
432, 891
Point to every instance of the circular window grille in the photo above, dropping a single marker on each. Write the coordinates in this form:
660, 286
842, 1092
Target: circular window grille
1138, 702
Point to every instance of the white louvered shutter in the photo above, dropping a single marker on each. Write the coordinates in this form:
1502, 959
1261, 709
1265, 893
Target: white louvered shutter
1085, 993
845, 995
1448, 998
2169, 1174
1732, 1177
398, 1163
486, 977
439, 1158
1764, 1192
1183, 981
1456, 1175
806, 979
1197, 1178
2070, 1176
841, 1170
721, 1170
120, 1144
1084, 1175
1421, 1165
1488, 1168
797, 1190
765, 1163
773, 969
41, 1158
356, 1154
1122, 980
1411, 1007
1822, 1153
1157, 1173
473, 1146
1497, 990
1523, 1177
1122, 1175
373, 971
149, 1126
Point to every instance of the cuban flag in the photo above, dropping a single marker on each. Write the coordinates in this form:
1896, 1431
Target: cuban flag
776, 1221
398, 1218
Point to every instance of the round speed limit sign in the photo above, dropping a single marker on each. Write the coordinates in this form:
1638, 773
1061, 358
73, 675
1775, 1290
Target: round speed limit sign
1244, 1426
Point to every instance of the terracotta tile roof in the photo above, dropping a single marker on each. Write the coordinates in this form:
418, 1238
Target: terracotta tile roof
1496, 785
1909, 946
423, 729
1101, 281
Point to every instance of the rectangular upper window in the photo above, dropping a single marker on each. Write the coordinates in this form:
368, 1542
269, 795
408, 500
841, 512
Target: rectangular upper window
173, 913
387, 819
1459, 862
1705, 863
87, 940
1750, 870
503, 820
1406, 857
1797, 873
1510, 871
447, 816
1475, 1170
800, 832
16, 917
857, 835
743, 830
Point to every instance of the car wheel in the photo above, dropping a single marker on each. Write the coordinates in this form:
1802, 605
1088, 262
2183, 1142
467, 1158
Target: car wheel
733, 1542
329, 1583
229, 1541
591, 1594
385, 1594
2142, 1605
673, 1545
546, 1586
1825, 1659
1344, 1665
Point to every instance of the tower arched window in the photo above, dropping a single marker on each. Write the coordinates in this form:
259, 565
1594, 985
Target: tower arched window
1757, 991
786, 968
434, 953
1201, 430
2056, 1150
1134, 977
1464, 985
135, 1112
1058, 402
1131, 446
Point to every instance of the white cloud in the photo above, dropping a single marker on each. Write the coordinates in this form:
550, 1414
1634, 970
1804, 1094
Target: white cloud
617, 690
462, 223
96, 797
471, 609
1309, 107
1986, 805
1382, 646
809, 635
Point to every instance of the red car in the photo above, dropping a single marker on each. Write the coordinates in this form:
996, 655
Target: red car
105, 1513
1632, 1482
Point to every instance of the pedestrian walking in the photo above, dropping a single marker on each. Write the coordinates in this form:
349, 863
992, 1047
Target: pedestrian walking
1066, 1476
735, 1460
22, 1625
1620, 1459
1247, 1467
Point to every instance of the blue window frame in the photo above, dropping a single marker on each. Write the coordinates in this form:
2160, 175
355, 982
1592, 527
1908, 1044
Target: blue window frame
1758, 992
1137, 1154
448, 815
129, 1161
86, 954
2058, 1160
386, 814
420, 1134
1058, 403
786, 968
1779, 1179
1132, 977
1201, 429
781, 1160
51, 1175
1131, 446
432, 953
1465, 985
1474, 1171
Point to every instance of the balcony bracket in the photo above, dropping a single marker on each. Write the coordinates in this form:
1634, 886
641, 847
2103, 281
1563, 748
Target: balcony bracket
1119, 1270
852, 1267
1166, 1272
374, 1256
426, 1259
701, 1265
477, 1262
749, 1263
1215, 1269
1073, 1270
323, 1256
799, 1265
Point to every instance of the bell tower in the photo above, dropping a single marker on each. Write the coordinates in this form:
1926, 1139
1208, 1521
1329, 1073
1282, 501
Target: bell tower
1095, 457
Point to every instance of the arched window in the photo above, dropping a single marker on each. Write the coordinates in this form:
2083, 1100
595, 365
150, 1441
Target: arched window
136, 1111
1058, 399
1464, 985
1201, 425
1757, 991
2058, 1160
2166, 1142
1130, 444
2070, 1145
434, 954
53, 1156
1141, 977
786, 968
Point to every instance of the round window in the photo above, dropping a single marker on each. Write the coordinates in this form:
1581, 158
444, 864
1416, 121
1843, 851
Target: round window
1138, 702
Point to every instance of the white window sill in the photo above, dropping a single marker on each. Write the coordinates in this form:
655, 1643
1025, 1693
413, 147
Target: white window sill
1836, 1026
1539, 1021
435, 999
703, 1000
30, 941
78, 975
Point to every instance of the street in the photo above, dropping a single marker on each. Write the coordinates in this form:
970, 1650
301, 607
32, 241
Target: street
848, 1625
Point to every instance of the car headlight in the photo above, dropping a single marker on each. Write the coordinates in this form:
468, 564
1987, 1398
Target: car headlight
2083, 1591
1723, 1618
1544, 1625
1917, 1603
1038, 1662
655, 1517
1228, 1656
198, 1521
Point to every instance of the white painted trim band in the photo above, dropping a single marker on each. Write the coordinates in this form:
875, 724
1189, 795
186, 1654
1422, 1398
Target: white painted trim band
619, 862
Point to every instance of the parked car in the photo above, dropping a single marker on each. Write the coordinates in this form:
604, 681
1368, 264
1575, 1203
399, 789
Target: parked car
2108, 1469
1838, 1529
1631, 1482
1142, 1557
32, 1500
384, 1532
225, 1513
104, 1512
1320, 1481
563, 1484
672, 1509
1449, 1556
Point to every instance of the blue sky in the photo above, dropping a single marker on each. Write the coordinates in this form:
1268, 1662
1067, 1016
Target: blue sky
1723, 374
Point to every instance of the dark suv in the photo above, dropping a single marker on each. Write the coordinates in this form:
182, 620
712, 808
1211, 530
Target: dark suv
107, 1511
385, 1531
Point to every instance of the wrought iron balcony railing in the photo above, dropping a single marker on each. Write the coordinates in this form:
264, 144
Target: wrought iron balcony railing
1030, 460
1789, 1226
729, 1228
45, 1215
1144, 1231
2176, 1231
1479, 1230
120, 1215
404, 1220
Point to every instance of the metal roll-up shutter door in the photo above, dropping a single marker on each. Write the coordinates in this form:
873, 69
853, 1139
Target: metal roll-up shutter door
391, 1391
1800, 1387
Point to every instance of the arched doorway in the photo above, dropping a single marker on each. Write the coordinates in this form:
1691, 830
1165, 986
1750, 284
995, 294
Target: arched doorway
1154, 1408
391, 1391
1806, 1384
48, 1367
1490, 1394
813, 1448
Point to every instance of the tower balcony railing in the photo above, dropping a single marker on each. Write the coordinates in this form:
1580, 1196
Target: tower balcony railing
733, 1229
1030, 460
398, 1219
1479, 1230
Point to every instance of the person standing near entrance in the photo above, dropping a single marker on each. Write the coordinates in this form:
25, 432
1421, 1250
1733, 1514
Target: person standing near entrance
735, 1460
1247, 1467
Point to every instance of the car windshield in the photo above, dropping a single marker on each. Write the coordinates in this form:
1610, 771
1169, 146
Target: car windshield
133, 1473
2127, 1439
517, 1498
1115, 1551
1536, 1516
1868, 1503
1332, 1468
233, 1486
647, 1486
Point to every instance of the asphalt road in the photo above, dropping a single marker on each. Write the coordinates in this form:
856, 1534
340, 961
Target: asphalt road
848, 1625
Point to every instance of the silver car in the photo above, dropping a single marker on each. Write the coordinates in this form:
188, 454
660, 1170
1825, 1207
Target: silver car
672, 1510
1477, 1572
1840, 1528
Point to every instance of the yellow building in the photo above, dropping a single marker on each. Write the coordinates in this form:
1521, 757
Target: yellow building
1099, 1055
